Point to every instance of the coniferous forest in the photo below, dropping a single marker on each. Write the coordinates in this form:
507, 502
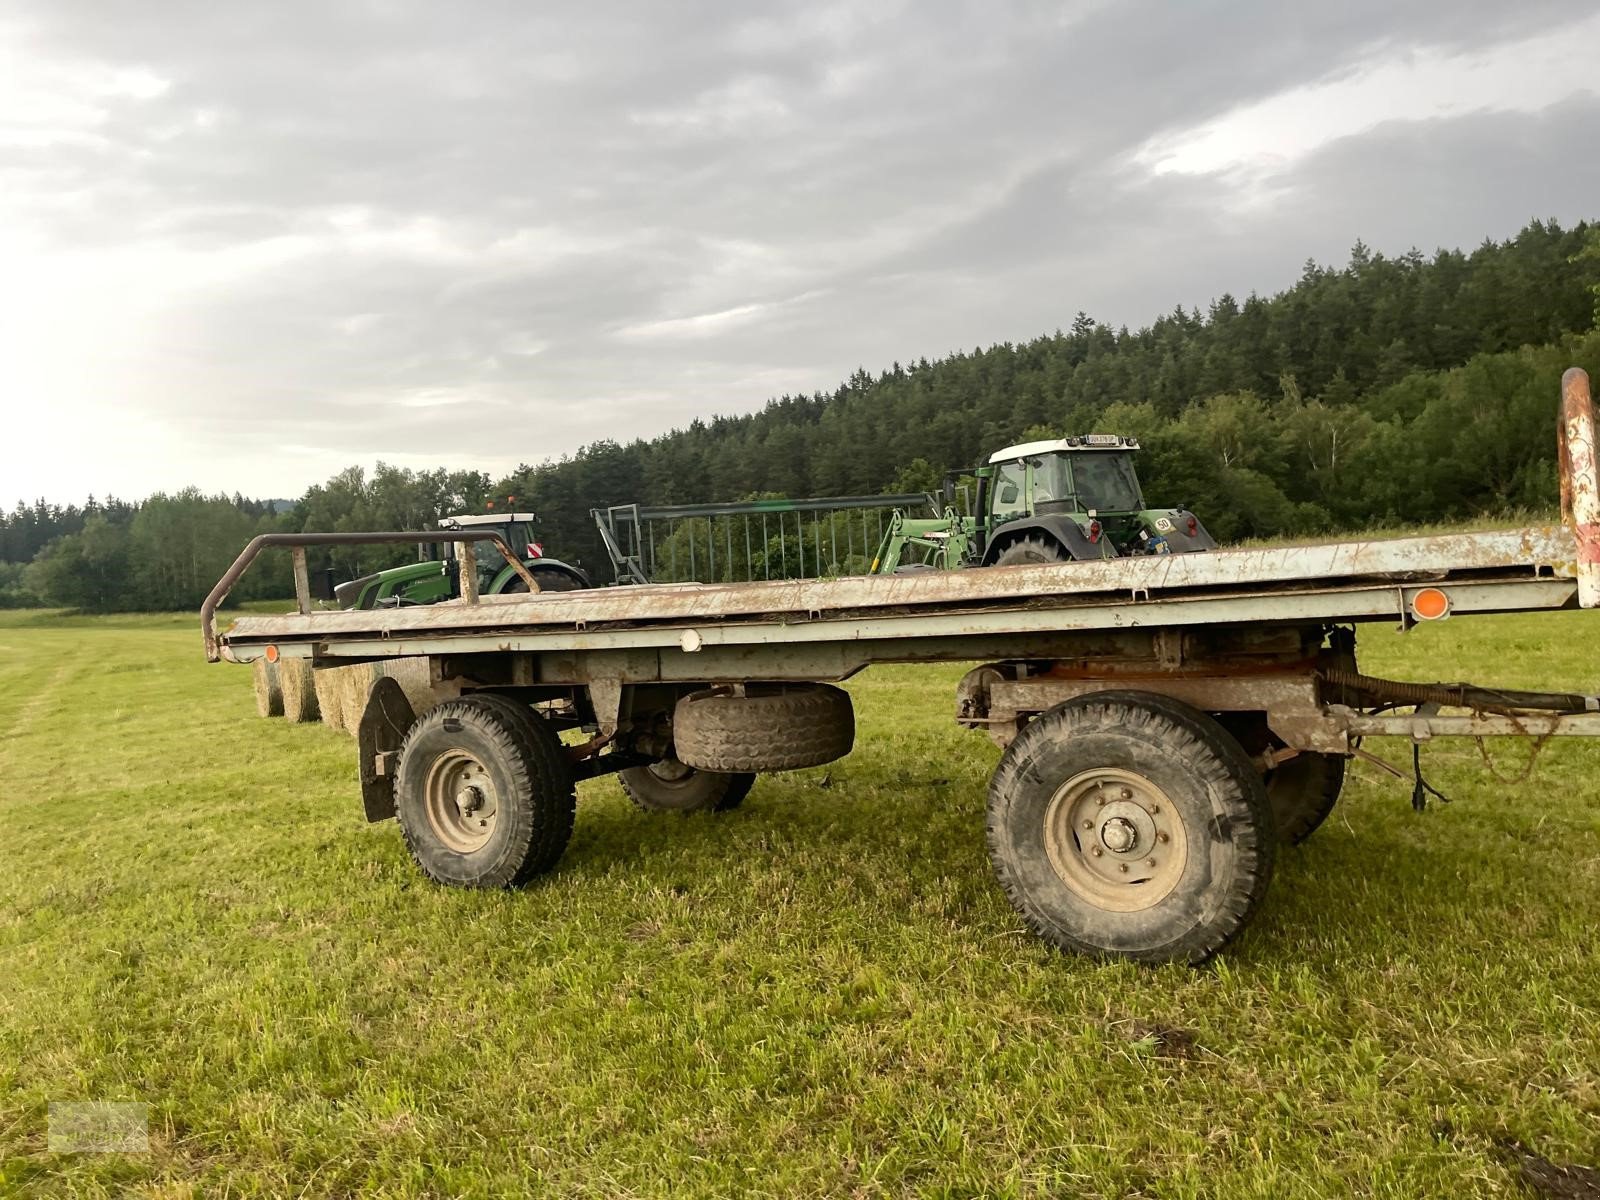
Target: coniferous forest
1392, 391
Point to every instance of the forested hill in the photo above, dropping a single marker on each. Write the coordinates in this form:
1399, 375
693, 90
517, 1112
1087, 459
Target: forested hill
1326, 406
1388, 392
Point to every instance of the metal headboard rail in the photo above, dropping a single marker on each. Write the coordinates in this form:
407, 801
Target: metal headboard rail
466, 555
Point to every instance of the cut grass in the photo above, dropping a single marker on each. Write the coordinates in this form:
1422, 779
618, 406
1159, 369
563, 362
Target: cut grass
821, 993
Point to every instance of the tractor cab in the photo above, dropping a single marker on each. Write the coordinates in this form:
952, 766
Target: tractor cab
1069, 475
515, 528
1073, 498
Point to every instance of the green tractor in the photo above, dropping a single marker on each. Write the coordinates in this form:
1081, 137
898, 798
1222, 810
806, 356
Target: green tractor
436, 577
1067, 500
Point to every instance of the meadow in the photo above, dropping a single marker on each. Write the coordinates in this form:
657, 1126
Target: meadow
821, 993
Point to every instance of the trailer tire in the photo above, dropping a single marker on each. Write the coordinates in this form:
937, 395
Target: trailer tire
269, 693
782, 729
1302, 791
484, 794
298, 685
1030, 550
670, 786
1180, 793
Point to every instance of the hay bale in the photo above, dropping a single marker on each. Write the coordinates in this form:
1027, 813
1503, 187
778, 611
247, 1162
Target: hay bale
269, 694
330, 704
299, 690
415, 680
351, 686
339, 694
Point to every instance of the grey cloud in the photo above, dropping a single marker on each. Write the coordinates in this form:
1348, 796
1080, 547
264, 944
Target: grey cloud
937, 177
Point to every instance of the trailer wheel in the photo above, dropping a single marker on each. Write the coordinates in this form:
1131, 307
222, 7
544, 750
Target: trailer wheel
484, 794
669, 786
782, 729
1030, 550
1302, 791
1128, 825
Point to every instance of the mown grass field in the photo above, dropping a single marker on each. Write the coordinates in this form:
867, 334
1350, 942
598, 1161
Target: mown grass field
823, 993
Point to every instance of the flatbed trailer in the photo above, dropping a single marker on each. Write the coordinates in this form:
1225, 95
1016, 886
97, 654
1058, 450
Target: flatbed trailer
1166, 720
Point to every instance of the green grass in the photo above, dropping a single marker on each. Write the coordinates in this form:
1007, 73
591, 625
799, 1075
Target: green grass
1520, 518
823, 993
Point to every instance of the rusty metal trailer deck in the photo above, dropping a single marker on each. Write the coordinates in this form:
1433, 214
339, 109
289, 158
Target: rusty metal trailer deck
1166, 719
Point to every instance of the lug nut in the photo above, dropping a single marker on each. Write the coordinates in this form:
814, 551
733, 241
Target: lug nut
1123, 867
1162, 837
1095, 850
1155, 808
1149, 862
1087, 824
1127, 793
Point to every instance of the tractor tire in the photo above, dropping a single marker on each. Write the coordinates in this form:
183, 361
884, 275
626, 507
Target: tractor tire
297, 683
1302, 792
548, 581
782, 729
269, 693
669, 786
1128, 825
484, 794
1030, 550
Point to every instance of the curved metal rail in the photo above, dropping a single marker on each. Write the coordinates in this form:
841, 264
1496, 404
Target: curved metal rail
466, 556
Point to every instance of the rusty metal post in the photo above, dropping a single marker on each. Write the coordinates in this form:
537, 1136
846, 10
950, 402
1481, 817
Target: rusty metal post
1580, 489
302, 580
467, 563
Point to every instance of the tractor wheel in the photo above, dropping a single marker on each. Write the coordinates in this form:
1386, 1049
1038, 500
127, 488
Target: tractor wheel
547, 579
782, 729
669, 786
484, 794
1302, 791
1129, 825
1030, 550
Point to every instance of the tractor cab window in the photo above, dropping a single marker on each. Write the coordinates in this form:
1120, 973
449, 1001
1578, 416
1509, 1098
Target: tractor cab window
1050, 482
1106, 482
516, 535
1010, 491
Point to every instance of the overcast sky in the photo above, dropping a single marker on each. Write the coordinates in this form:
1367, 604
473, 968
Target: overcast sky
243, 245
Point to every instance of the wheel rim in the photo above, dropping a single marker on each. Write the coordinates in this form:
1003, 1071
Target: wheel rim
1115, 839
460, 801
670, 771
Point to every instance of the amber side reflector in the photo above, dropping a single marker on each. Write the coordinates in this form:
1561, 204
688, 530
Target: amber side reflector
272, 654
1430, 604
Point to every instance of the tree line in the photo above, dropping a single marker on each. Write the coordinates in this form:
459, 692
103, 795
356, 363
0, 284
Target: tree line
1391, 391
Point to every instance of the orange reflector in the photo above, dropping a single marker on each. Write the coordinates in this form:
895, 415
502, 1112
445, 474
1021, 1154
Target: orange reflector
272, 654
1430, 604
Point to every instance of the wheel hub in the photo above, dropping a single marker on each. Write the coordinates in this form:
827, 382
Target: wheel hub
1115, 838
460, 801
1119, 835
